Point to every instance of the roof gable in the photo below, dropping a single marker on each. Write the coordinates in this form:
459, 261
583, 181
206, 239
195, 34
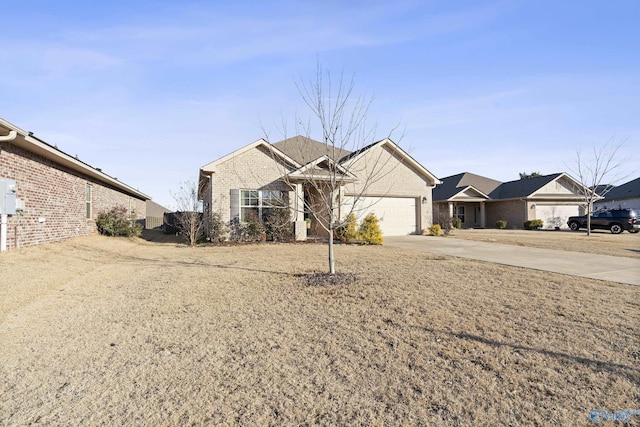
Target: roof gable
392, 146
211, 167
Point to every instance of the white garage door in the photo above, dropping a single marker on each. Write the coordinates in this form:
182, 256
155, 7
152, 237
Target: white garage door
397, 215
556, 215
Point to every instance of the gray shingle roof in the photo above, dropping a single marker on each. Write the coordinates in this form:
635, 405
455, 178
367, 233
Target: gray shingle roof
522, 187
494, 189
304, 150
627, 190
453, 184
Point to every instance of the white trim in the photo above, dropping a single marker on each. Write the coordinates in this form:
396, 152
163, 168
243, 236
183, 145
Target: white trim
300, 173
468, 187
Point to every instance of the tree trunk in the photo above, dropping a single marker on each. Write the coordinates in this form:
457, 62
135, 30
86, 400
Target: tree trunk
589, 208
332, 264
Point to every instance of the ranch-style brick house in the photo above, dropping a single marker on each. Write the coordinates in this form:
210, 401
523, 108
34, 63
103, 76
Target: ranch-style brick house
380, 178
480, 202
48, 195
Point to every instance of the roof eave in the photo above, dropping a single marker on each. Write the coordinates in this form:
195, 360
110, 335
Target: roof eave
34, 145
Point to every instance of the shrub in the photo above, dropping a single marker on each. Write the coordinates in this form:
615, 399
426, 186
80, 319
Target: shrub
217, 228
348, 232
190, 225
236, 230
118, 222
533, 224
435, 230
501, 224
278, 225
445, 224
369, 230
457, 223
253, 228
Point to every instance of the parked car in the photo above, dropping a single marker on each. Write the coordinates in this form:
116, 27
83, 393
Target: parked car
616, 220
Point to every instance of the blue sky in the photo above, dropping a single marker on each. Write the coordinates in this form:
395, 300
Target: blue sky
149, 91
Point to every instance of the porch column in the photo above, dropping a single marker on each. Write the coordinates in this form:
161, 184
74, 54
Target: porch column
450, 210
299, 224
483, 217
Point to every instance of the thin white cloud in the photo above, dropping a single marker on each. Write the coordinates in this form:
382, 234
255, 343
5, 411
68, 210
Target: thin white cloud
218, 35
63, 59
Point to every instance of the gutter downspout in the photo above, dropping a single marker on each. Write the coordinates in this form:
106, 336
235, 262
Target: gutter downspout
12, 135
3, 221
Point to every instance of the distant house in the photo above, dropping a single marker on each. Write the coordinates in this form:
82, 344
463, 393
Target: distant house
623, 196
250, 178
53, 196
480, 202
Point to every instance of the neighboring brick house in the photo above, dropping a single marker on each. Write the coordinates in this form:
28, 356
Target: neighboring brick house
57, 196
379, 178
480, 202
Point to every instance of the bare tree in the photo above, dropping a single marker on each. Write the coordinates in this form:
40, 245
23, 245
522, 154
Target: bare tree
328, 172
189, 219
597, 171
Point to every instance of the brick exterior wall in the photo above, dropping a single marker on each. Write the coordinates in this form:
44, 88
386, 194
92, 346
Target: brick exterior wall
254, 169
515, 212
54, 199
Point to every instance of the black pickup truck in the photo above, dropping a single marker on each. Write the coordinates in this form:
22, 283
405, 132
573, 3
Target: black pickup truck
616, 220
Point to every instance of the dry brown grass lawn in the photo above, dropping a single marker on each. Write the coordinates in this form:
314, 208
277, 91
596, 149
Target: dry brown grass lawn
600, 241
127, 332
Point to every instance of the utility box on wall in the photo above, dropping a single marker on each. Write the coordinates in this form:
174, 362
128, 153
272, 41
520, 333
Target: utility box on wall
7, 196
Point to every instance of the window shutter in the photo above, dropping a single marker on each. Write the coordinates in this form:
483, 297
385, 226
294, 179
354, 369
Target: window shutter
234, 204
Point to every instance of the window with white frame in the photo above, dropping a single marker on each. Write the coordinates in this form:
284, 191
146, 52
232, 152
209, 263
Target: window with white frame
261, 202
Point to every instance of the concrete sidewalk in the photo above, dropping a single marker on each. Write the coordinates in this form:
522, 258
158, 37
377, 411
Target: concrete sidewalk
603, 267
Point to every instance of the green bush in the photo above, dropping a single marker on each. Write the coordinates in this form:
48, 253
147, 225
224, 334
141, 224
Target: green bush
533, 224
501, 224
217, 228
278, 225
457, 223
118, 222
253, 228
250, 230
369, 231
347, 232
435, 230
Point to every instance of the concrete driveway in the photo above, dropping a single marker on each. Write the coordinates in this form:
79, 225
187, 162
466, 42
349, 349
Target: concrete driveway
603, 267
